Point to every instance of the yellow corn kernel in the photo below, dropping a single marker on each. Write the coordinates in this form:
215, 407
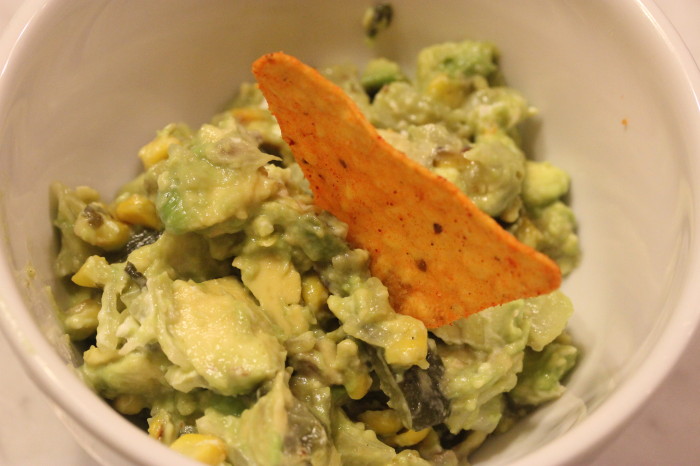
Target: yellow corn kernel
356, 378
137, 209
358, 385
408, 438
87, 194
129, 404
313, 292
447, 90
156, 426
95, 356
512, 212
94, 273
207, 449
247, 115
156, 150
96, 226
410, 348
384, 422
301, 343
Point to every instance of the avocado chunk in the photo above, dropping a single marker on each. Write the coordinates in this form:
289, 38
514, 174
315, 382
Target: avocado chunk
215, 179
379, 72
540, 380
278, 429
222, 336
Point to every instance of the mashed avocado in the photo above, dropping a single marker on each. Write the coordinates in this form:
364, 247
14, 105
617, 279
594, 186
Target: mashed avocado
218, 306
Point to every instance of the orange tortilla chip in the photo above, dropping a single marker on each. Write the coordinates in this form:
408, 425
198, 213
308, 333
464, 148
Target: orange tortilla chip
439, 255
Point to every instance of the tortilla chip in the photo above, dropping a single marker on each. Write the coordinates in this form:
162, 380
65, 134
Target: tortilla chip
440, 256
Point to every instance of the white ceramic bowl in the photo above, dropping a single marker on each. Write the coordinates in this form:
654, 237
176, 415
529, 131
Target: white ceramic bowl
85, 84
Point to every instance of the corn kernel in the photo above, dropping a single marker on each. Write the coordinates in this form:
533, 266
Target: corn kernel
207, 449
82, 278
358, 386
156, 150
512, 212
156, 427
410, 349
95, 356
129, 404
87, 194
384, 422
301, 343
356, 378
314, 292
450, 91
94, 273
408, 438
137, 209
247, 115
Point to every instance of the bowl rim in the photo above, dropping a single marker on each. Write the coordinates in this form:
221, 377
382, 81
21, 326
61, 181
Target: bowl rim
40, 361
630, 395
58, 382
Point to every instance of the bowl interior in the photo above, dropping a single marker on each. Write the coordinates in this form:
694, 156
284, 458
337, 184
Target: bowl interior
88, 84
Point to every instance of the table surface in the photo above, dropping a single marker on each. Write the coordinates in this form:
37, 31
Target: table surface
665, 431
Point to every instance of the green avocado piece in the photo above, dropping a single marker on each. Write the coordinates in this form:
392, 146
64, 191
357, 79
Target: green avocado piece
379, 72
359, 446
277, 430
456, 60
540, 380
215, 178
136, 373
223, 336
544, 183
548, 315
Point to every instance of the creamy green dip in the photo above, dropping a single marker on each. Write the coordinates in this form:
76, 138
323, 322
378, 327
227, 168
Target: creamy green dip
218, 308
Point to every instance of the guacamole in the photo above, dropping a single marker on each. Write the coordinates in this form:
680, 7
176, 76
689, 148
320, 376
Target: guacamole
217, 307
